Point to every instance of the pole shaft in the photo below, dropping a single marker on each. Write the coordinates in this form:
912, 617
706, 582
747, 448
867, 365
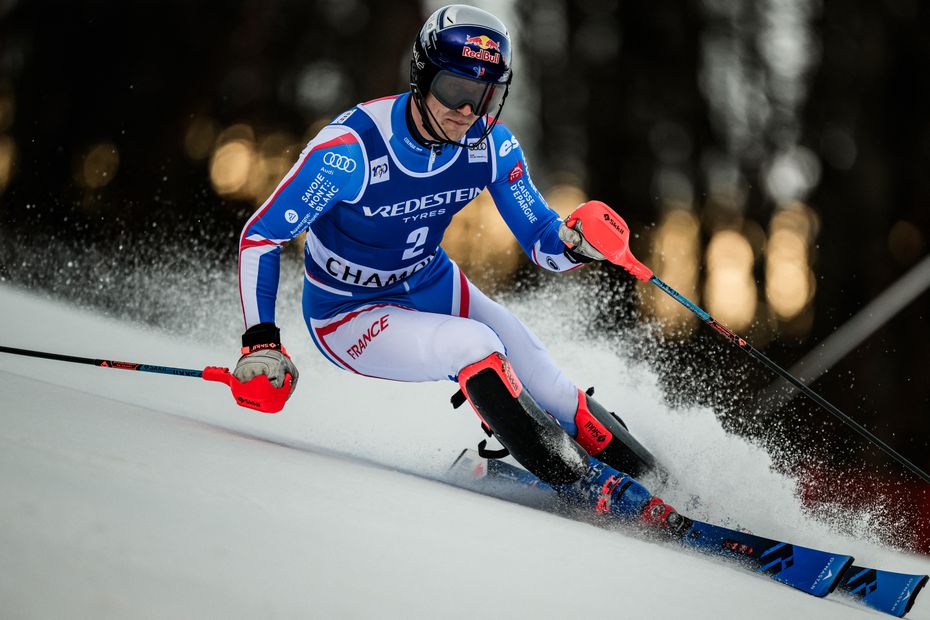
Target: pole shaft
164, 370
814, 396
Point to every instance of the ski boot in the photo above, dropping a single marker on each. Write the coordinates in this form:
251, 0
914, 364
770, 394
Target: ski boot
612, 493
543, 447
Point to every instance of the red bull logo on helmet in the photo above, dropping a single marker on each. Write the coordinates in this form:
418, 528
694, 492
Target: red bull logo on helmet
484, 42
485, 45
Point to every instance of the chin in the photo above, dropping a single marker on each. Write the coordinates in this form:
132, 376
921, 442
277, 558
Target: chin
457, 132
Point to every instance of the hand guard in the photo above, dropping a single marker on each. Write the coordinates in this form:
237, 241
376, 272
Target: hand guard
265, 377
574, 239
607, 234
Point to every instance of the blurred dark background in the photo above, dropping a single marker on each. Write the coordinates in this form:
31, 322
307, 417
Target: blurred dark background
773, 157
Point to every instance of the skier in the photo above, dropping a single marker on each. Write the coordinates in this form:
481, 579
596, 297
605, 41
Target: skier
375, 191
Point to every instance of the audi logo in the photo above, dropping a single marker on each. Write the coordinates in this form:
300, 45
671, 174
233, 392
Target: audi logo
340, 162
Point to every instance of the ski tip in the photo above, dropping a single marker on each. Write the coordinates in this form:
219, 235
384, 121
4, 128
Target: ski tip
885, 591
913, 597
839, 575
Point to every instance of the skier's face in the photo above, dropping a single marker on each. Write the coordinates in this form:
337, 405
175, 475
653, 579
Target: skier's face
454, 123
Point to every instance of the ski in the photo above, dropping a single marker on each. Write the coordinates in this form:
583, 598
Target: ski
813, 571
809, 570
891, 593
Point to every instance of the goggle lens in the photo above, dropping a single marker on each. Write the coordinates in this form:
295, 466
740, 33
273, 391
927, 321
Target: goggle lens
454, 91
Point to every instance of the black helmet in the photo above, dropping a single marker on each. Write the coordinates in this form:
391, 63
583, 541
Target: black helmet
462, 55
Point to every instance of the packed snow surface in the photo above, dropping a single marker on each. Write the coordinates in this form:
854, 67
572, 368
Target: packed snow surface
134, 495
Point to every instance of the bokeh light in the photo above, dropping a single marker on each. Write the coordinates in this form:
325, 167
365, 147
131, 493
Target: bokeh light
99, 166
323, 86
7, 156
565, 198
245, 166
675, 256
730, 290
275, 154
789, 280
200, 137
230, 166
792, 174
905, 242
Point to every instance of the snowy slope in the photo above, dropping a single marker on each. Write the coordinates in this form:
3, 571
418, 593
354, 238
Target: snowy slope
129, 495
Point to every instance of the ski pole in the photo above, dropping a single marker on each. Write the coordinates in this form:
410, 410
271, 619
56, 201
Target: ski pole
603, 228
258, 394
814, 396
210, 373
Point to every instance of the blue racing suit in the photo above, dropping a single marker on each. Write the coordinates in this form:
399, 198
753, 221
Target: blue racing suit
379, 291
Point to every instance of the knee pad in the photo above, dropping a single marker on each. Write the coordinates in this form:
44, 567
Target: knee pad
529, 433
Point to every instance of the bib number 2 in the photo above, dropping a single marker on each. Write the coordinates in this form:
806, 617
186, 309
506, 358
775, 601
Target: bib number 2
417, 238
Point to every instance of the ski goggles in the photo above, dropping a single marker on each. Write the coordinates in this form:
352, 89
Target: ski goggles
454, 91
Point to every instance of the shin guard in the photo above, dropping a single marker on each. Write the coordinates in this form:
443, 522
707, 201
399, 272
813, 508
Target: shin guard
602, 434
532, 437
